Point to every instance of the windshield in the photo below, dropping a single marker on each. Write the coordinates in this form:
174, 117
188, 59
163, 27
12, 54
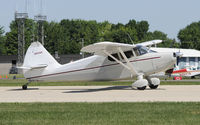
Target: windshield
142, 50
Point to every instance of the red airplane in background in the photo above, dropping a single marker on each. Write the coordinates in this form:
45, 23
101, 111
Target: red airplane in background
187, 72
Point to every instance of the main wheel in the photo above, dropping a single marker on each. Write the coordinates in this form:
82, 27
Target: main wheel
141, 88
153, 86
24, 87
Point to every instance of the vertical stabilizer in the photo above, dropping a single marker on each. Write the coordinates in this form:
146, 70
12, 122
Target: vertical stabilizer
37, 55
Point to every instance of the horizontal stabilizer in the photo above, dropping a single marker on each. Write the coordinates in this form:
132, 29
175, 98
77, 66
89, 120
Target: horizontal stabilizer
40, 66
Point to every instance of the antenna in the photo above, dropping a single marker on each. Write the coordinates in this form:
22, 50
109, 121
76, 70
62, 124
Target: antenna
130, 38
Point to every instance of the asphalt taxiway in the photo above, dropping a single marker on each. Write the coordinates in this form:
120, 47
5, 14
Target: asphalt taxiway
165, 93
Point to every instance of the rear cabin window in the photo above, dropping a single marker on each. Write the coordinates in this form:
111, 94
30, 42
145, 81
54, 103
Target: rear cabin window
128, 54
114, 55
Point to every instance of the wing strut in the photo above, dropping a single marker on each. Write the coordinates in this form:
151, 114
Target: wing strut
116, 60
129, 66
127, 61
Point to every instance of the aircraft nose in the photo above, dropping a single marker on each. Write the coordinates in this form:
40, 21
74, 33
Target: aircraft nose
170, 59
167, 61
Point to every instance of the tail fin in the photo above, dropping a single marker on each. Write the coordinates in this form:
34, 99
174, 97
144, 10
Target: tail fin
37, 56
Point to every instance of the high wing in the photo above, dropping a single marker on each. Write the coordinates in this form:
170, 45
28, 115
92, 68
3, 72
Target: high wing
150, 43
108, 48
111, 47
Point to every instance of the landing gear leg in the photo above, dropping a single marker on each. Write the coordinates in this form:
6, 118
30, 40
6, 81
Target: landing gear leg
24, 87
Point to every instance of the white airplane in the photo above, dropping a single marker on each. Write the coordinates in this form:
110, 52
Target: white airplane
110, 61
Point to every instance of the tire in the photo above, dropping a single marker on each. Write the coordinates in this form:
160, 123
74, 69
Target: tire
153, 86
24, 87
141, 88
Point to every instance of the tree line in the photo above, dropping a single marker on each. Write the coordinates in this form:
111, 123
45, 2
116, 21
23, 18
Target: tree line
66, 36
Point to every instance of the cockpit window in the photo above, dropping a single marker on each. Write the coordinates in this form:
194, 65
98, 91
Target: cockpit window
143, 50
140, 50
136, 51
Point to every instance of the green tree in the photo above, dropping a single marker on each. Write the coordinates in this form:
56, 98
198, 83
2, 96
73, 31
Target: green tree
66, 36
190, 36
167, 43
2, 42
75, 31
132, 24
142, 29
11, 44
104, 28
53, 37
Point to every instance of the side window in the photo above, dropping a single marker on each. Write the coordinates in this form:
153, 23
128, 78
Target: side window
140, 50
114, 55
128, 54
136, 51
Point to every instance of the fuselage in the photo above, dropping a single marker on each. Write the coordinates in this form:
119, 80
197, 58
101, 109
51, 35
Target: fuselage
101, 68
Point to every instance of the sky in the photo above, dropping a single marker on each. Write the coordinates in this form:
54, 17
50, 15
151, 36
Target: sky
168, 16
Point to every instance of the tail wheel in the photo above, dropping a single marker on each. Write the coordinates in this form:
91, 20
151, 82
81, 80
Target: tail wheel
24, 87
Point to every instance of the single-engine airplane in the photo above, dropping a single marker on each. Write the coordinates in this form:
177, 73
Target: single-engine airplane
110, 61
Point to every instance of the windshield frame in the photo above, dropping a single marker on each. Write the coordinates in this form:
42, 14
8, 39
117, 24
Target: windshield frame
142, 50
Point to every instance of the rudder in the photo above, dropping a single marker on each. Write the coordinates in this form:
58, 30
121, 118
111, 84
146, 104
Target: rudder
38, 55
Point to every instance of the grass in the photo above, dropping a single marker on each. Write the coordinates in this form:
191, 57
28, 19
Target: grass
20, 82
100, 113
